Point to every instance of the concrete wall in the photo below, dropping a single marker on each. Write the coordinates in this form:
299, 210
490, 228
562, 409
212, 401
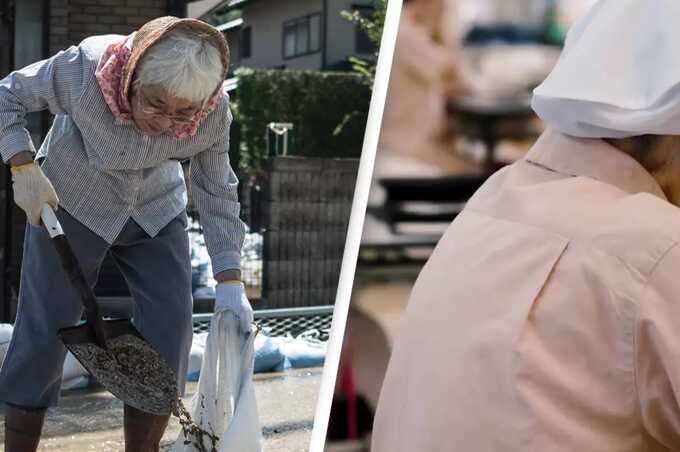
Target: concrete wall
266, 20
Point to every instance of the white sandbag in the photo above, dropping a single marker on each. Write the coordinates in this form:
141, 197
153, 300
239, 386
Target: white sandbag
225, 401
75, 383
74, 375
5, 337
306, 350
72, 368
268, 355
6, 330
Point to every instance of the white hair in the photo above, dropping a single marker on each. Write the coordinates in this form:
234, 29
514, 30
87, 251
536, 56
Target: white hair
187, 65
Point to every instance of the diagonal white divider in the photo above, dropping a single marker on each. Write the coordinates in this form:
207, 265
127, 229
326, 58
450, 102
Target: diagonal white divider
356, 225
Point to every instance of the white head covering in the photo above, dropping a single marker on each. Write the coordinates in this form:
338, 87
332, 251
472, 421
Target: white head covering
619, 73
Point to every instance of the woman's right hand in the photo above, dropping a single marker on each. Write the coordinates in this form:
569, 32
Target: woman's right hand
231, 296
32, 190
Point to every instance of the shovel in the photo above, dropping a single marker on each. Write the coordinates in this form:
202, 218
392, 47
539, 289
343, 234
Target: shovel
112, 351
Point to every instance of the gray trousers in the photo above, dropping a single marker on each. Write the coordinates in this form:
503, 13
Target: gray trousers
158, 274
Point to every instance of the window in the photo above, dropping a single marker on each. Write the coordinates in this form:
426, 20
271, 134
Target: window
245, 42
302, 36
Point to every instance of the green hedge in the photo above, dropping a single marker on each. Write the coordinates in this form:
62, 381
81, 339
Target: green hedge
328, 110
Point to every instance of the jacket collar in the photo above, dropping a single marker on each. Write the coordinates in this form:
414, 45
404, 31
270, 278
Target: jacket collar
593, 158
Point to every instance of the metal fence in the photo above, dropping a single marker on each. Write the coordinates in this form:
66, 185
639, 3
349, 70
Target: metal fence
306, 205
282, 322
250, 196
297, 211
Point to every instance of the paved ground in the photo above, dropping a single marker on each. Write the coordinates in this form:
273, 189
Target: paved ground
92, 421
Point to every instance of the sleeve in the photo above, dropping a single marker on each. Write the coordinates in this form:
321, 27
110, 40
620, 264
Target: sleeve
48, 84
657, 352
214, 189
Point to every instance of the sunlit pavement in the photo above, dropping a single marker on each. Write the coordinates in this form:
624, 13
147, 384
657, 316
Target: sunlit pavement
89, 420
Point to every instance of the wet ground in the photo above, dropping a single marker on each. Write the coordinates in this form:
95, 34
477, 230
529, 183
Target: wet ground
92, 420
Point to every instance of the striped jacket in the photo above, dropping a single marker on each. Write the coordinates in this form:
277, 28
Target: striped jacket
105, 171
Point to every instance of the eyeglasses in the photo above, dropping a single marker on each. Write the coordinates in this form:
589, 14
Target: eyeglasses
155, 112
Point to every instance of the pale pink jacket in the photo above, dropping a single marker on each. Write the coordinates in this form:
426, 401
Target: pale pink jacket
548, 317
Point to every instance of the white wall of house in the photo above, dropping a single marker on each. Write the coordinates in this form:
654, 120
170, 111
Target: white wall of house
266, 20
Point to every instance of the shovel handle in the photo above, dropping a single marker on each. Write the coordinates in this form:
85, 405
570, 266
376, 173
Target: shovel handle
50, 221
75, 274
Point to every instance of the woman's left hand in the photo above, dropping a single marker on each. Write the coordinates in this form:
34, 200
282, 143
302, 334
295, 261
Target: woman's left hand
231, 296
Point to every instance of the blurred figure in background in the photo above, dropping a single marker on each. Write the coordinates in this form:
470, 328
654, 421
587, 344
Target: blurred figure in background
424, 73
433, 67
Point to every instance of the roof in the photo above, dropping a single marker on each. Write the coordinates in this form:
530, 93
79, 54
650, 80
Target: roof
204, 8
230, 25
230, 84
199, 8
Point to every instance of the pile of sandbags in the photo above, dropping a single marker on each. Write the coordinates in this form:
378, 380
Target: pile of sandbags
272, 354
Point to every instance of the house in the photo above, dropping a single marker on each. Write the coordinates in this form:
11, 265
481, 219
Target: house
289, 34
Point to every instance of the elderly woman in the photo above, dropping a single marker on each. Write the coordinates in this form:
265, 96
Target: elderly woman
547, 318
127, 109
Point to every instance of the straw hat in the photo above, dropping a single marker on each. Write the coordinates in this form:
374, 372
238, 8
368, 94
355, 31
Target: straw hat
154, 30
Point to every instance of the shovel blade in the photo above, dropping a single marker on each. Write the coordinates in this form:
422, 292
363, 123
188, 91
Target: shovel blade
131, 369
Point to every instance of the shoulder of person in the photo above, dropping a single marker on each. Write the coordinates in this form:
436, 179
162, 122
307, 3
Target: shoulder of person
640, 229
222, 112
644, 213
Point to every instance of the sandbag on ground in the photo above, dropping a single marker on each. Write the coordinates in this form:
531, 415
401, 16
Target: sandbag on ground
5, 337
272, 354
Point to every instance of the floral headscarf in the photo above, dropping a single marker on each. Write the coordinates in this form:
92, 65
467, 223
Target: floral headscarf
112, 75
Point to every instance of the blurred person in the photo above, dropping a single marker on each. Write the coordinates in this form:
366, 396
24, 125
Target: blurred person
128, 109
547, 317
424, 74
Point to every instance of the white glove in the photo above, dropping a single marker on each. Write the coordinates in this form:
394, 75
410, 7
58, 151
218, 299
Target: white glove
32, 190
231, 296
